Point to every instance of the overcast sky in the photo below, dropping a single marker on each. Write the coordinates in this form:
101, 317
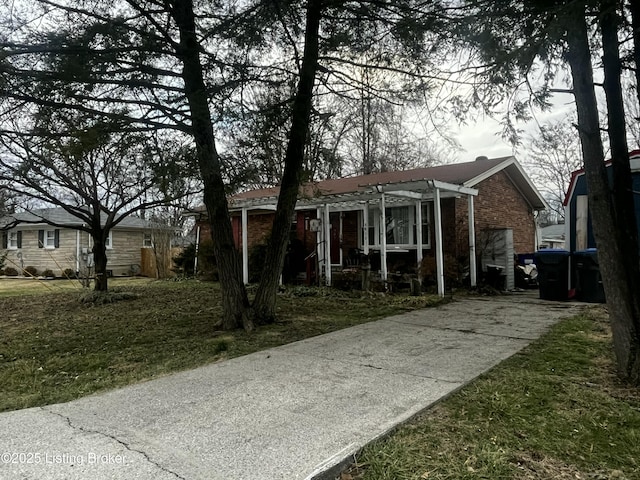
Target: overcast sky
483, 137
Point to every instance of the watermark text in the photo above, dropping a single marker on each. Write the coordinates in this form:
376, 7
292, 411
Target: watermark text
61, 458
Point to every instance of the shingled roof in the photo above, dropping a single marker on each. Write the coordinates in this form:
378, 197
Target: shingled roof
467, 174
62, 218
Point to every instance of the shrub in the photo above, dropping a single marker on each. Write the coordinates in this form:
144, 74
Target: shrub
185, 260
48, 273
11, 272
207, 265
103, 298
304, 291
69, 273
30, 271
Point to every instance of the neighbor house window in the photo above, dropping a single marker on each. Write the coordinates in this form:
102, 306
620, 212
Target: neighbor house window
49, 238
14, 240
400, 226
147, 240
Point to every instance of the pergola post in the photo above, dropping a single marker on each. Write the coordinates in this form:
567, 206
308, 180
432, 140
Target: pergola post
245, 248
320, 241
327, 244
439, 250
365, 228
383, 238
195, 260
341, 253
419, 232
473, 274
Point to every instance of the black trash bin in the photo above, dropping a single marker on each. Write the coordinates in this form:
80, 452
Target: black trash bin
495, 277
553, 273
588, 280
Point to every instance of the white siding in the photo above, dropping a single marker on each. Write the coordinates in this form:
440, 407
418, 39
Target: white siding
122, 259
55, 259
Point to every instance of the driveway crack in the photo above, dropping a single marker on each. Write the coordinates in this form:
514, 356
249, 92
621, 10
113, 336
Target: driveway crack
116, 439
466, 331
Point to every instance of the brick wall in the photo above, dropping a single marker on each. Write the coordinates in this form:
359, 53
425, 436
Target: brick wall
499, 204
258, 229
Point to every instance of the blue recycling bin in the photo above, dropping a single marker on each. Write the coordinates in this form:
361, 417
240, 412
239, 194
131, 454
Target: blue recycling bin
588, 279
553, 273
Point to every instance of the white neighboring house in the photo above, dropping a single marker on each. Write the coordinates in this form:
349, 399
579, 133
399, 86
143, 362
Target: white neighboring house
553, 236
29, 241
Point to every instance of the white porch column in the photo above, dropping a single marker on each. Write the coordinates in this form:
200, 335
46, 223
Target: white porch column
327, 244
195, 260
383, 239
473, 274
419, 232
439, 252
320, 241
245, 248
365, 228
78, 252
341, 240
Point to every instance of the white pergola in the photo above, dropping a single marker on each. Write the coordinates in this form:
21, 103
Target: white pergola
413, 192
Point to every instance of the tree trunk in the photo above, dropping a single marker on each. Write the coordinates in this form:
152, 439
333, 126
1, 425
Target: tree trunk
607, 231
235, 303
623, 201
100, 262
634, 6
265, 300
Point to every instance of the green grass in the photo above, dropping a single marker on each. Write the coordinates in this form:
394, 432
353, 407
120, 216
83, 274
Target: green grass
54, 348
555, 410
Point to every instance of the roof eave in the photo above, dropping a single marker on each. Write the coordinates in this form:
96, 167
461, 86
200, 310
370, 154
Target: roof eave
521, 182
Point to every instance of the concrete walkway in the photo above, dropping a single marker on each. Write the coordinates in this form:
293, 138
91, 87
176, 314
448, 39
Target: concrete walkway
293, 412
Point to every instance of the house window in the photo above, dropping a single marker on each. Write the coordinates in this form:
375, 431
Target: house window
373, 226
147, 240
400, 226
426, 231
48, 238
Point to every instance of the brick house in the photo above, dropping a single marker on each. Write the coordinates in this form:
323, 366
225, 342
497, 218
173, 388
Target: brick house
435, 219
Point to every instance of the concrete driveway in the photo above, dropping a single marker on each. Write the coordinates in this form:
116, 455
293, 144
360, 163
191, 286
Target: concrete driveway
293, 412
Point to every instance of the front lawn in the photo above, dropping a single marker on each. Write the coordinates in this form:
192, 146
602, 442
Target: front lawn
54, 348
